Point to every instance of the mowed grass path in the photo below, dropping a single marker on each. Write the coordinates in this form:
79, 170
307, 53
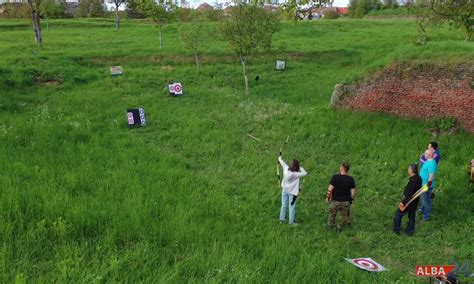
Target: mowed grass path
191, 197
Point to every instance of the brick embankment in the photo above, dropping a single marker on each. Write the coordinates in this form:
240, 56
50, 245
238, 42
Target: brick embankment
421, 91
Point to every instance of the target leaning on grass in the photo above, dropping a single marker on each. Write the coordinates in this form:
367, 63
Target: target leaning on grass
136, 117
116, 71
367, 263
175, 89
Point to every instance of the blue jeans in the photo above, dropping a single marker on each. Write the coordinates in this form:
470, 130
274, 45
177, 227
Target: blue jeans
286, 200
426, 204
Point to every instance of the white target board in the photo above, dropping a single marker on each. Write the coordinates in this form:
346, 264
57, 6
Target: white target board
280, 65
175, 89
368, 264
116, 70
130, 119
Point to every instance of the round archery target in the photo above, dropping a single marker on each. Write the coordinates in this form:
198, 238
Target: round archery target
367, 264
177, 88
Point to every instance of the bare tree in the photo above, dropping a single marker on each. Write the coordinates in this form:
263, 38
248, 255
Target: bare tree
117, 4
35, 19
192, 33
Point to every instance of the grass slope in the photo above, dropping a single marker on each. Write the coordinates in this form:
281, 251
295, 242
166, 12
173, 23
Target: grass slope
191, 197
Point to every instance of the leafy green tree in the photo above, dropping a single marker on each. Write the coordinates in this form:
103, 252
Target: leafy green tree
213, 15
192, 33
458, 13
330, 15
90, 8
390, 4
247, 29
52, 9
160, 11
133, 10
360, 8
295, 9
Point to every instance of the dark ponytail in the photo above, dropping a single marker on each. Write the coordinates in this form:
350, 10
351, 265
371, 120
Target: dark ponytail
295, 166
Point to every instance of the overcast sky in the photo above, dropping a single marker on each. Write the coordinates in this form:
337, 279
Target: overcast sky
341, 3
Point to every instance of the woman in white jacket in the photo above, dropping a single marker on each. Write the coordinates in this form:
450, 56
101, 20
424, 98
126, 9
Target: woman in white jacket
291, 188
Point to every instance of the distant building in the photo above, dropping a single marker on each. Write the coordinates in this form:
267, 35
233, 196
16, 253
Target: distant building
205, 7
343, 10
316, 13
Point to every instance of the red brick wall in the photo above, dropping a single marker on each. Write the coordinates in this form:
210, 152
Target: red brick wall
422, 91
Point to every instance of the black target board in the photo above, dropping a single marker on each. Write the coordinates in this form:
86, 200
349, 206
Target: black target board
136, 117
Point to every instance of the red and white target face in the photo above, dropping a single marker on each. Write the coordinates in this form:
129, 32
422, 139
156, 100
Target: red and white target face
176, 89
367, 264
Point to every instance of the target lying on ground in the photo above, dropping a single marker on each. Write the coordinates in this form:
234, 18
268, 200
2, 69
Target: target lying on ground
136, 117
366, 263
116, 70
175, 89
280, 65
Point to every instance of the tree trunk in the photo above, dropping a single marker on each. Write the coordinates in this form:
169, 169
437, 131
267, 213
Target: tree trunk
196, 59
246, 79
35, 18
47, 23
117, 17
469, 32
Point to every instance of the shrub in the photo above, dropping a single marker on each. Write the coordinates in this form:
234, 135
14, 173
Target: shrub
90, 8
132, 10
331, 15
360, 8
14, 11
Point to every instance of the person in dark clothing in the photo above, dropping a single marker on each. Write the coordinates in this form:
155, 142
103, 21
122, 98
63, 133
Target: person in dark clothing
433, 146
414, 184
341, 192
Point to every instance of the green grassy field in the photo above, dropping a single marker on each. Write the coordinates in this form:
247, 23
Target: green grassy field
191, 197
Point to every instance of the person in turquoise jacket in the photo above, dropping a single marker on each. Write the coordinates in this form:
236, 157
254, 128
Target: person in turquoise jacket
427, 174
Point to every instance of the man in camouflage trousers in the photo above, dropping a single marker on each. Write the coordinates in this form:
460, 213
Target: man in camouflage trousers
341, 192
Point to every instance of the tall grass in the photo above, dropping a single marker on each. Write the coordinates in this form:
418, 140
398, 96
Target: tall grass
191, 197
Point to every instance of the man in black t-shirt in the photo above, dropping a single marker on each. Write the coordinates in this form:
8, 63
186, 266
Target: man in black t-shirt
341, 192
414, 183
